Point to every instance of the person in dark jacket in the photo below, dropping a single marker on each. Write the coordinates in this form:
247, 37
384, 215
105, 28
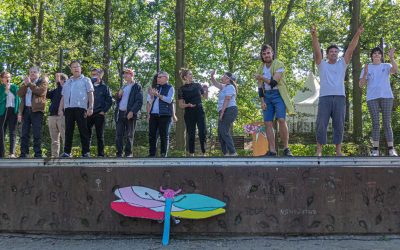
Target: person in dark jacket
102, 103
31, 111
160, 114
9, 104
129, 103
56, 123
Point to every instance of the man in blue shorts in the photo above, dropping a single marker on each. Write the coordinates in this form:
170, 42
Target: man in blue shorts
274, 98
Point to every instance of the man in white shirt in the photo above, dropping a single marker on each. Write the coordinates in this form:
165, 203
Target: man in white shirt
332, 98
76, 105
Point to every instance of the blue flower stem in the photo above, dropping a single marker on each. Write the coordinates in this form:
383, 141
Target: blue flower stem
167, 219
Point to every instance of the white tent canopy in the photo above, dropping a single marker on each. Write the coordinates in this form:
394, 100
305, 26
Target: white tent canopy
309, 94
306, 105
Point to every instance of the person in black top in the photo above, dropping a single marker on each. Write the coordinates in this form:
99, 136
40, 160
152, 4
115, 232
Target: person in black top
102, 103
189, 96
56, 122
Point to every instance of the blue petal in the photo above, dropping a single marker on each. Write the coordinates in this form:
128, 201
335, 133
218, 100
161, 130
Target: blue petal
197, 202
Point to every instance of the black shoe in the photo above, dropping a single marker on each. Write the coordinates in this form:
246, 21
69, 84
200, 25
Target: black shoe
269, 154
86, 155
151, 156
287, 152
22, 156
38, 156
65, 155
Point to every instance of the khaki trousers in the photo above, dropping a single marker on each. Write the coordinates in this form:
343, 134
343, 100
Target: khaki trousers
56, 128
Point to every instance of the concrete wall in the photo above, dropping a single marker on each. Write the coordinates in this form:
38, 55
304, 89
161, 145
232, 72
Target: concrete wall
306, 195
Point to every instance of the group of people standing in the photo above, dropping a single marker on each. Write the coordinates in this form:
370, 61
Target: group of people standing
276, 104
85, 101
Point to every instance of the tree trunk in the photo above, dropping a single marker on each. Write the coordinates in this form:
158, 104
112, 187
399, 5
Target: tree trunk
87, 51
180, 61
267, 16
121, 71
39, 33
107, 42
356, 71
33, 42
347, 91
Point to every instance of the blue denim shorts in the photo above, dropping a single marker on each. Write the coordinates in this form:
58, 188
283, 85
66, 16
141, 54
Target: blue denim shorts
275, 106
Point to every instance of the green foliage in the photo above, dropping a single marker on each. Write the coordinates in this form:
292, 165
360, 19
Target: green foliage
348, 149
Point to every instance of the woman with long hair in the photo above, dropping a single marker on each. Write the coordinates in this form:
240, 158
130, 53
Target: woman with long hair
227, 110
189, 97
9, 105
376, 76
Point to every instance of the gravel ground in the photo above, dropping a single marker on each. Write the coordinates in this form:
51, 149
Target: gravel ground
90, 242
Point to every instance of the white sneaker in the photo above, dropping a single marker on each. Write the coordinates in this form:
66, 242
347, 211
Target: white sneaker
234, 154
392, 152
12, 156
374, 152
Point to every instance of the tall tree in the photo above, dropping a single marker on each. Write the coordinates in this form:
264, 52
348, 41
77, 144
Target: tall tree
180, 62
267, 17
39, 32
356, 70
107, 39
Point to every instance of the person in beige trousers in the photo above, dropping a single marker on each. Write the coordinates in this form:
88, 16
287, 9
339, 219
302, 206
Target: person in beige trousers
56, 122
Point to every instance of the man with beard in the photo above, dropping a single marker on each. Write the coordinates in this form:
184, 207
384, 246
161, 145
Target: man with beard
274, 98
332, 96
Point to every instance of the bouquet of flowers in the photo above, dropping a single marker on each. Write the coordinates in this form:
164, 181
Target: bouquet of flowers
256, 128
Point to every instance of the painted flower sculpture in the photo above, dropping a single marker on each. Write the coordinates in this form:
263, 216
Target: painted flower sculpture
255, 128
147, 203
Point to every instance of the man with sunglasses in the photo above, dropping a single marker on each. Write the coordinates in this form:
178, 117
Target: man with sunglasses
160, 114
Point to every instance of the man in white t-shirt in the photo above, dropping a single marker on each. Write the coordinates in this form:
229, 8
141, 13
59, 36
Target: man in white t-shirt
332, 97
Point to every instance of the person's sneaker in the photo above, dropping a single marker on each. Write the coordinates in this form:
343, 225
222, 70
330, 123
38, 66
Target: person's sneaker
287, 152
12, 156
269, 153
129, 156
234, 154
65, 155
392, 152
86, 155
374, 152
